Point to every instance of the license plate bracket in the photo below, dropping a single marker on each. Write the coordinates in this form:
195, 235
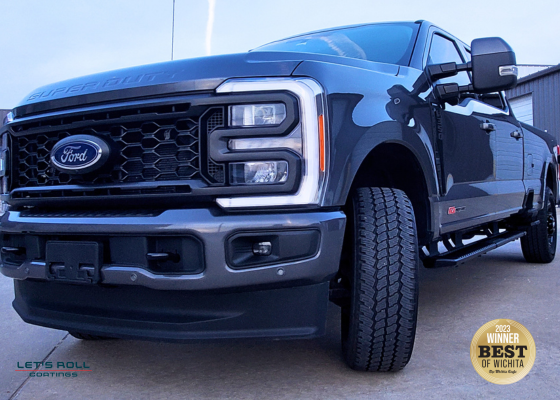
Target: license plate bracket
74, 262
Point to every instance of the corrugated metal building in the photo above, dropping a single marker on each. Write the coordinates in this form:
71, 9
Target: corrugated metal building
528, 69
536, 100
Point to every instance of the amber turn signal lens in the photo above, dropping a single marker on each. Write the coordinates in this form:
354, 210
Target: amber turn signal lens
321, 143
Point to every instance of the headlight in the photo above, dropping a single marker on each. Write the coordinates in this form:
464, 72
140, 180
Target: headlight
8, 118
292, 141
308, 139
257, 114
3, 156
3, 161
260, 172
4, 149
4, 170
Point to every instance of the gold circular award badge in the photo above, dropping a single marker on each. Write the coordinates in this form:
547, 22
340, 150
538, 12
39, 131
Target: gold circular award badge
503, 351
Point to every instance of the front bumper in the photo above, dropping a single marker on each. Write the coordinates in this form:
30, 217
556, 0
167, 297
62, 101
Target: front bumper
211, 227
276, 299
135, 312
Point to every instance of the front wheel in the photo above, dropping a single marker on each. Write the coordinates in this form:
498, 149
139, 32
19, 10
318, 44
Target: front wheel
539, 245
379, 324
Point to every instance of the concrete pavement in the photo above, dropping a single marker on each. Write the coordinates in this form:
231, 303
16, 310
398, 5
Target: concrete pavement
454, 303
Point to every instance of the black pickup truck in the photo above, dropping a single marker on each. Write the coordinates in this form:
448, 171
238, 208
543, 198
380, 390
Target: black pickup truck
236, 195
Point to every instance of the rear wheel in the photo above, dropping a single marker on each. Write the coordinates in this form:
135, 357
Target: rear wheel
539, 245
379, 324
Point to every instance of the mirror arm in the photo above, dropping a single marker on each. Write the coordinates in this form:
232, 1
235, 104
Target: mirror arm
466, 89
447, 70
451, 92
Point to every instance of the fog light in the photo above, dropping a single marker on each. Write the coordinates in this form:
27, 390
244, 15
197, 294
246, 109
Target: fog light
262, 249
260, 172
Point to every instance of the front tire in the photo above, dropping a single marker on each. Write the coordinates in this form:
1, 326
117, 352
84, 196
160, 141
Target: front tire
539, 245
379, 324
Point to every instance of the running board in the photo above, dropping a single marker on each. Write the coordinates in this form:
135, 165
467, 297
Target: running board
464, 253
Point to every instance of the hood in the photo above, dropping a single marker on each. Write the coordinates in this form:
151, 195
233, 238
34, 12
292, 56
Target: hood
172, 77
195, 74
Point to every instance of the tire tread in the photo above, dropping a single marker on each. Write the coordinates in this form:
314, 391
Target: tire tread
384, 303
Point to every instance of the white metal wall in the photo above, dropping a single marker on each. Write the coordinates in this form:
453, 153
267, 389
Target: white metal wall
523, 108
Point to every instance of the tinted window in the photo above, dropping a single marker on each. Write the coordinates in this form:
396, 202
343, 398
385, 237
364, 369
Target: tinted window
443, 50
386, 43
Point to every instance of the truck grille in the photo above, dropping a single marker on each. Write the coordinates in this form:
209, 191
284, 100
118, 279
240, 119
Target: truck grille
155, 144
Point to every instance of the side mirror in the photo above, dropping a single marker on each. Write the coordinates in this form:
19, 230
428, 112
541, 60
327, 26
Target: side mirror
493, 65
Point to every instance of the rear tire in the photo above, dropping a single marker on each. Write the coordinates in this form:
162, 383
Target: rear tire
85, 336
379, 324
539, 245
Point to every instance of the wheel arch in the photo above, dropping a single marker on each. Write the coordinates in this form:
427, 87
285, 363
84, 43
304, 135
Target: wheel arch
551, 179
394, 164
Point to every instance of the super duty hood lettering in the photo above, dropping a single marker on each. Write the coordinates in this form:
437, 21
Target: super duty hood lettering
197, 74
111, 83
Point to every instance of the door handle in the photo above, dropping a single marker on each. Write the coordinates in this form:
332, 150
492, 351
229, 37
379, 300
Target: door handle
488, 127
157, 256
516, 134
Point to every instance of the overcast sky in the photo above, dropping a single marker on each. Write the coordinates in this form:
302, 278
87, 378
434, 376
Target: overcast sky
47, 41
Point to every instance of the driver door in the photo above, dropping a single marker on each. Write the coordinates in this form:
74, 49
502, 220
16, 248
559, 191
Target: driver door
468, 148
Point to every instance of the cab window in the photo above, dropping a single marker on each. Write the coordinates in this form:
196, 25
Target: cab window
444, 50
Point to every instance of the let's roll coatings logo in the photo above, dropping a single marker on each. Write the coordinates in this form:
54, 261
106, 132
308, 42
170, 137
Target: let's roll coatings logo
59, 369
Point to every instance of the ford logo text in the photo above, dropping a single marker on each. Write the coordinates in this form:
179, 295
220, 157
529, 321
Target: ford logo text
69, 157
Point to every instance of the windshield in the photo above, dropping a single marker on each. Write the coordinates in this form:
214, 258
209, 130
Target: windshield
386, 43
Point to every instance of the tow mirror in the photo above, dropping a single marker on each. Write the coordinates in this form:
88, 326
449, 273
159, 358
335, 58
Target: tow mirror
493, 65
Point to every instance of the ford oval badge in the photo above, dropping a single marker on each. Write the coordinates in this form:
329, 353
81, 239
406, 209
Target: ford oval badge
79, 154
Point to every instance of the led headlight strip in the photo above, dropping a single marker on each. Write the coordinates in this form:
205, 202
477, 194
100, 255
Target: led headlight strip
315, 154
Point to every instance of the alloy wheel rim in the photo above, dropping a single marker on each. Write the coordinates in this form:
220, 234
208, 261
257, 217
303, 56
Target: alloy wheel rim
551, 225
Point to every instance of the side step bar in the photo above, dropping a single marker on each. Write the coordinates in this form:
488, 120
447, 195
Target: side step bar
464, 253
